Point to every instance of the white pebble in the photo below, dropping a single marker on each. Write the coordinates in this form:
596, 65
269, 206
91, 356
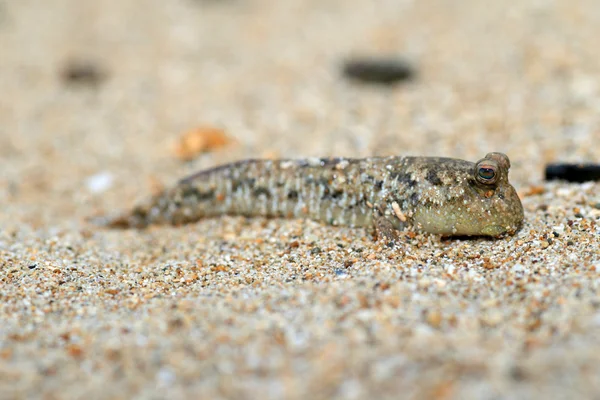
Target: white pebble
100, 182
517, 268
564, 192
165, 377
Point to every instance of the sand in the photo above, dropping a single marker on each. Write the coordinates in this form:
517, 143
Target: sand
253, 308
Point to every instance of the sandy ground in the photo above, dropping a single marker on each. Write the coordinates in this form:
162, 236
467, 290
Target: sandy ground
273, 309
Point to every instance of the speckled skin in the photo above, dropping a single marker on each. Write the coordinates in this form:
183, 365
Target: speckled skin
437, 195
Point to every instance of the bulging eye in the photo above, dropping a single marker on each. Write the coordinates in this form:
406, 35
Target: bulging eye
487, 174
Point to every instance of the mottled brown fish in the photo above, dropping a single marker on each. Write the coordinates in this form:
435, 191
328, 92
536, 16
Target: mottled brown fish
437, 195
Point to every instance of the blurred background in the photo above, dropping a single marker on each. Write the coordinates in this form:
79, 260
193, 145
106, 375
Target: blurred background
104, 101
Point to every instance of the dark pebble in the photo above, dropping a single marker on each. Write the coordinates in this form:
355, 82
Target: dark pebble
573, 172
518, 374
33, 266
315, 250
83, 73
380, 71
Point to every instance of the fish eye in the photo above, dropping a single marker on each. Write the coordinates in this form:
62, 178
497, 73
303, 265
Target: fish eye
486, 174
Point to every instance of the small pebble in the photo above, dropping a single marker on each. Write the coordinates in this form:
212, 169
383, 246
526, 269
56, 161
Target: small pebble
100, 182
380, 71
83, 73
433, 318
340, 272
573, 172
517, 268
199, 140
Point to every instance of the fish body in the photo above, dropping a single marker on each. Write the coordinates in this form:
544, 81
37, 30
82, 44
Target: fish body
432, 194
